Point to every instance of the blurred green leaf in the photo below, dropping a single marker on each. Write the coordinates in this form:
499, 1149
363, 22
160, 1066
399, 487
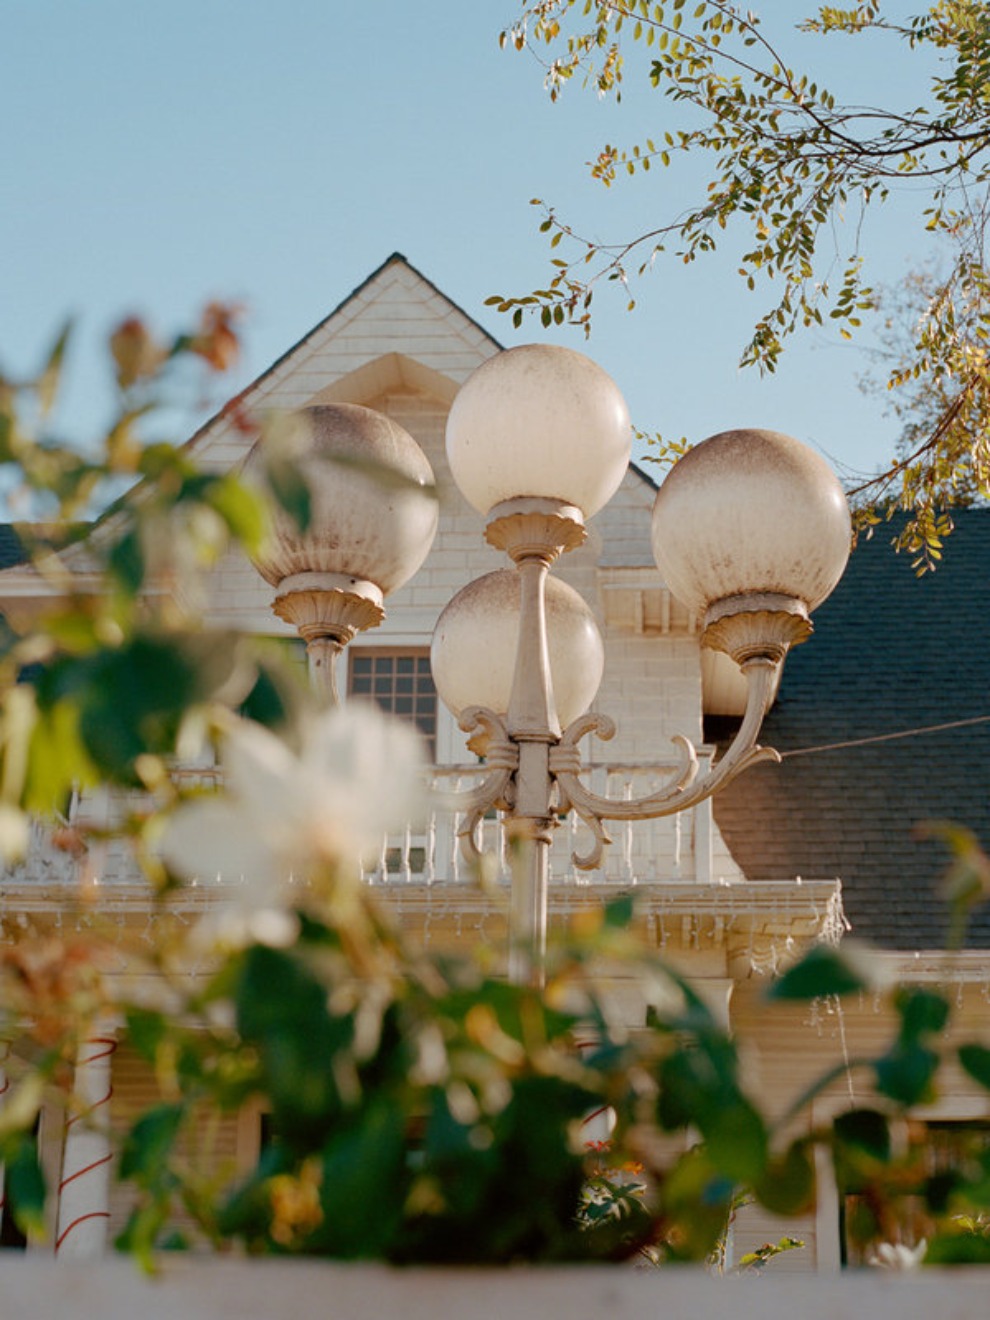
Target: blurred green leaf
698, 1199
906, 1074
24, 1185
787, 1185
291, 491
966, 881
242, 509
369, 1154
958, 1249
150, 1142
146, 1030
736, 1137
131, 700
51, 374
619, 911
866, 1130
306, 1054
126, 563
58, 761
975, 1059
823, 970
922, 1013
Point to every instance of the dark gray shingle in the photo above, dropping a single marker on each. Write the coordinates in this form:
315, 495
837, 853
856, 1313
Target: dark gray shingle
891, 653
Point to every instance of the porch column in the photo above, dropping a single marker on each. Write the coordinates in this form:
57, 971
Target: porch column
84, 1186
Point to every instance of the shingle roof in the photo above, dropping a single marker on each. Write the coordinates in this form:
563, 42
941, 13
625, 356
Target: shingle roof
891, 653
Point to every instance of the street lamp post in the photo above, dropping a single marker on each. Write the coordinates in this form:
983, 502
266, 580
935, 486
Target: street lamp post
750, 531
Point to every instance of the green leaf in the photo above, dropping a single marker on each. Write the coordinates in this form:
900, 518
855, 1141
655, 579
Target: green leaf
272, 697
126, 563
57, 759
619, 912
922, 1013
282, 1009
823, 970
158, 460
132, 699
906, 1074
698, 1200
971, 1248
976, 1061
140, 1235
146, 1030
291, 491
966, 881
736, 1137
24, 1184
787, 1186
364, 1184
866, 1130
150, 1142
48, 381
242, 509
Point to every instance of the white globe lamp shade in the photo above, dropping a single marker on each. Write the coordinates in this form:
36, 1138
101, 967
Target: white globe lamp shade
750, 512
539, 421
374, 509
475, 640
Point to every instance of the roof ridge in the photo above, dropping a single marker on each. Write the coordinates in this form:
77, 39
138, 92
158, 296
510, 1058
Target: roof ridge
393, 259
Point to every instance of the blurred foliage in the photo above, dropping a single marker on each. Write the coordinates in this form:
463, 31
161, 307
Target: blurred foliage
108, 671
419, 1108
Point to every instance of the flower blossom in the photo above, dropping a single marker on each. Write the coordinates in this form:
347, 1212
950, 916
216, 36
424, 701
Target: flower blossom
896, 1256
288, 816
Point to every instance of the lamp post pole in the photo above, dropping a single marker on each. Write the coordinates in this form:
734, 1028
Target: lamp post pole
750, 532
534, 532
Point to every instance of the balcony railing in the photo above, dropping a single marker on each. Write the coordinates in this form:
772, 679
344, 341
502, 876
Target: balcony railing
674, 848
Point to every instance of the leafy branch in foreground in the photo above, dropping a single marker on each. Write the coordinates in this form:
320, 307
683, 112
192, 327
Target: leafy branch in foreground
419, 1108
112, 672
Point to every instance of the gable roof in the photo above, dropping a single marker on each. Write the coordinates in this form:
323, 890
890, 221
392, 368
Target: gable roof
394, 315
892, 654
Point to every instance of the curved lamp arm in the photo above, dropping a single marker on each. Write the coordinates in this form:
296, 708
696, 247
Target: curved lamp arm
489, 738
684, 789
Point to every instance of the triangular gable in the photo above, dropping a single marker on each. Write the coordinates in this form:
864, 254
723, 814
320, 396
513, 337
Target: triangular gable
395, 330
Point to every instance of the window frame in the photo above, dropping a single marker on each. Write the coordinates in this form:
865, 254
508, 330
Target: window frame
395, 654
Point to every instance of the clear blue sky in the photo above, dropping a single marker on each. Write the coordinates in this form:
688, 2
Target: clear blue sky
156, 155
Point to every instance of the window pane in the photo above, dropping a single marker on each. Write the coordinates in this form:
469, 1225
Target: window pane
400, 682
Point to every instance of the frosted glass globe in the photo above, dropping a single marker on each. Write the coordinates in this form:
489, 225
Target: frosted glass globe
750, 511
539, 420
474, 646
374, 512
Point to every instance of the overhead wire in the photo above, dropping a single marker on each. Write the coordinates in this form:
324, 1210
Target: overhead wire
885, 737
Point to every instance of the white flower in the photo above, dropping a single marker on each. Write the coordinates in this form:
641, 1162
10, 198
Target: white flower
286, 815
895, 1256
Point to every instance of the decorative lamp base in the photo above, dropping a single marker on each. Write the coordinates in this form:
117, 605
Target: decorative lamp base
534, 528
759, 625
327, 610
329, 605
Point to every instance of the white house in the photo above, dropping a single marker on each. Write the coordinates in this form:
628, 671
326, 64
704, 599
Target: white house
399, 345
